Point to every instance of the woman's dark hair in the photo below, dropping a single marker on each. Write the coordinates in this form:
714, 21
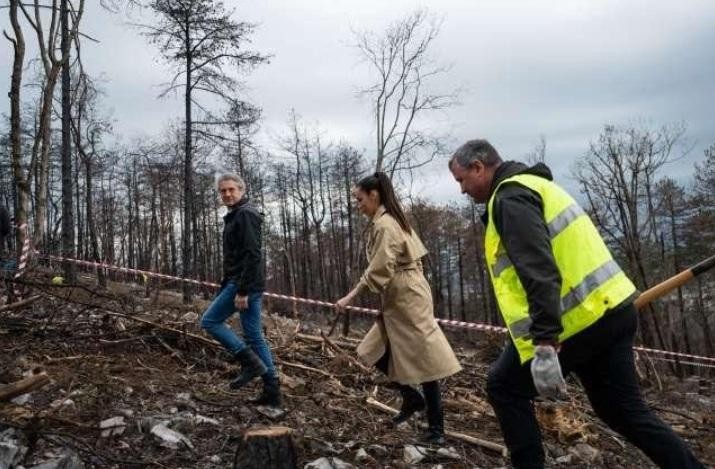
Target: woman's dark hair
381, 183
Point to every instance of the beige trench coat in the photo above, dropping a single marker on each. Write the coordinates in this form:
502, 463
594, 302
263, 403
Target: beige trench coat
419, 351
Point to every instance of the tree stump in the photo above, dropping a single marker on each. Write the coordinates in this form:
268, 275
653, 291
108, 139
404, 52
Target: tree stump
266, 448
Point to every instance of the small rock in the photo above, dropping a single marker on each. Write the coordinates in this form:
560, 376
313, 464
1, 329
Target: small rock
199, 419
585, 452
414, 454
328, 463
565, 459
350, 444
63, 402
273, 413
377, 450
8, 451
113, 426
449, 453
216, 459
69, 460
320, 446
190, 317
362, 457
169, 437
128, 413
22, 399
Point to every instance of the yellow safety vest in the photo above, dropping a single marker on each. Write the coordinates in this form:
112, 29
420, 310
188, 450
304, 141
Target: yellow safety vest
592, 282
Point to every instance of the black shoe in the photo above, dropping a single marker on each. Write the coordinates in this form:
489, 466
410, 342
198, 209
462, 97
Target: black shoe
251, 367
412, 402
271, 394
435, 416
432, 437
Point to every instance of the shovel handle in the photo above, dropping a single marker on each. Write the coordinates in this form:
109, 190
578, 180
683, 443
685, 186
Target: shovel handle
674, 282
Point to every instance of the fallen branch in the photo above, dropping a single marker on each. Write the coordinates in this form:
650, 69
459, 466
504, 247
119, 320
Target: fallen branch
19, 304
307, 368
23, 386
459, 436
343, 354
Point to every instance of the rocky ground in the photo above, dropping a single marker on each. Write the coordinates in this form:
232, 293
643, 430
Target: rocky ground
127, 381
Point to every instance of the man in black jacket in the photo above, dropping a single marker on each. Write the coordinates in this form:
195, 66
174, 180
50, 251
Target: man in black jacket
242, 289
599, 351
4, 229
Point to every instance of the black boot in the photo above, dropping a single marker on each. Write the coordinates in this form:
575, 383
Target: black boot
251, 367
435, 416
271, 394
412, 402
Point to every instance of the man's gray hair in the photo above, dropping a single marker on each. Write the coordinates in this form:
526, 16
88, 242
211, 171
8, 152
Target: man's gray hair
231, 177
476, 150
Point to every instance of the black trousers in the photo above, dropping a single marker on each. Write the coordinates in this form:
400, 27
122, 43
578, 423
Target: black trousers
602, 358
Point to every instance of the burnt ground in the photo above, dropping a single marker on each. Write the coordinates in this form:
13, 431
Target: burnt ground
143, 362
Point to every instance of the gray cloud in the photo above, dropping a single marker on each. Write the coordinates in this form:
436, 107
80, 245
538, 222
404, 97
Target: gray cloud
561, 69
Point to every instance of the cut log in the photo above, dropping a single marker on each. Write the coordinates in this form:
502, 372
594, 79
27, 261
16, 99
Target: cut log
266, 448
23, 386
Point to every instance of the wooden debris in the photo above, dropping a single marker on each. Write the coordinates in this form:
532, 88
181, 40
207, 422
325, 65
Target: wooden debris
460, 436
19, 304
23, 386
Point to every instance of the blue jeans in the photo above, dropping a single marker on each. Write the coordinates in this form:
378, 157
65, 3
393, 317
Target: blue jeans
222, 307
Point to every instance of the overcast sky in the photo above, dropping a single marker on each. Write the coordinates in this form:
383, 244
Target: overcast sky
557, 68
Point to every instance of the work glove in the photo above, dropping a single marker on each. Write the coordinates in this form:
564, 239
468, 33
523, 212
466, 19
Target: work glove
546, 372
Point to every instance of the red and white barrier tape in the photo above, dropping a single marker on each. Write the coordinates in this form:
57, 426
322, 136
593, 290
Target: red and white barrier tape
24, 253
683, 362
374, 312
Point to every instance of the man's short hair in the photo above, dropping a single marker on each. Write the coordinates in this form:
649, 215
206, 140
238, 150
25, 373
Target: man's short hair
231, 177
476, 150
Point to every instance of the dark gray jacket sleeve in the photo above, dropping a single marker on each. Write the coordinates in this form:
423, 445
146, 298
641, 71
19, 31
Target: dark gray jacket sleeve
519, 220
249, 275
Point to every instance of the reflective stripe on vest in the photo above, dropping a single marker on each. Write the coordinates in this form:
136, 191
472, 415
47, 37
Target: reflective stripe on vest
592, 281
556, 226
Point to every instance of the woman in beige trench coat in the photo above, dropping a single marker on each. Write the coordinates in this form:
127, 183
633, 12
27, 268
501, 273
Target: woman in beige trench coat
406, 343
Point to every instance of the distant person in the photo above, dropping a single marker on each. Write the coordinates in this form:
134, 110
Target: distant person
242, 290
405, 343
566, 303
5, 229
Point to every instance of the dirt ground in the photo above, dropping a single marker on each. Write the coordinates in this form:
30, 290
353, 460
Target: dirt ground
145, 364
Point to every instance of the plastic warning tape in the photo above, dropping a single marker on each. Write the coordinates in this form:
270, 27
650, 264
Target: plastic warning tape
25, 252
374, 312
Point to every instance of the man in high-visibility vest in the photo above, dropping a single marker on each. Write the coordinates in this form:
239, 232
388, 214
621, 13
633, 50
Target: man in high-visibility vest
567, 304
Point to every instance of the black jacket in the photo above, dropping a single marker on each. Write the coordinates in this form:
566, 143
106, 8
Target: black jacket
242, 253
5, 224
519, 219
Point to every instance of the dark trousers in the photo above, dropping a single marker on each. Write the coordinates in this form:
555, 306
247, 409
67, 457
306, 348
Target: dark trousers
602, 358
430, 389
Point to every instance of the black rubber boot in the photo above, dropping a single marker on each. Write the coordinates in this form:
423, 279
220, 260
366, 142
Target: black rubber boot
271, 394
435, 416
251, 367
412, 402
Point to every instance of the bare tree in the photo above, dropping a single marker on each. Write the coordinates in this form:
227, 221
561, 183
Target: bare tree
52, 59
400, 59
617, 176
21, 181
199, 38
538, 154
